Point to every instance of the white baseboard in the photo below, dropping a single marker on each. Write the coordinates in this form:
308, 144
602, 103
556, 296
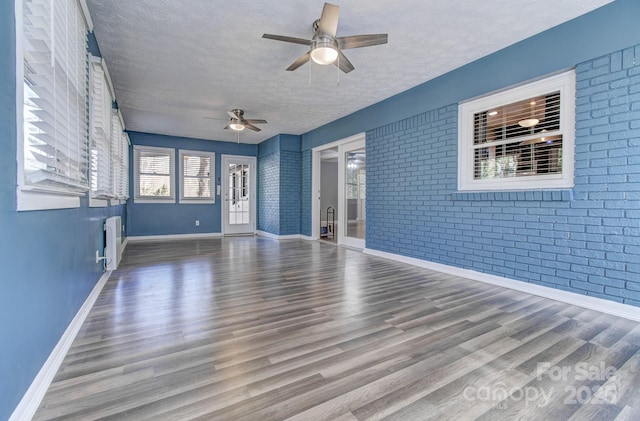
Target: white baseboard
33, 396
307, 237
198, 236
278, 237
593, 303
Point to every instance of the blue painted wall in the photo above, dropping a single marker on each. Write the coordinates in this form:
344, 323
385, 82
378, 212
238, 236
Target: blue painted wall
586, 240
279, 185
166, 219
47, 257
269, 186
290, 167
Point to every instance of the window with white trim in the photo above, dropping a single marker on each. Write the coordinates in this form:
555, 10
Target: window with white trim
519, 139
102, 136
53, 149
154, 176
197, 171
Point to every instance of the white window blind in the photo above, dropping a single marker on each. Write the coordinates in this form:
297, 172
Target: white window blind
102, 137
55, 133
119, 157
197, 176
522, 138
519, 139
154, 174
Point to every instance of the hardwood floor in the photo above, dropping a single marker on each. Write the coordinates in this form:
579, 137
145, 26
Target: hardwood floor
256, 329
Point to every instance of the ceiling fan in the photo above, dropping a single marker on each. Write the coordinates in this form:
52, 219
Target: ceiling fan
238, 122
325, 47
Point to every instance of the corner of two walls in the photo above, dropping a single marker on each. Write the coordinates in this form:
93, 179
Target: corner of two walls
151, 219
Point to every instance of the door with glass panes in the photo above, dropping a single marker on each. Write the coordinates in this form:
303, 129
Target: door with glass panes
239, 194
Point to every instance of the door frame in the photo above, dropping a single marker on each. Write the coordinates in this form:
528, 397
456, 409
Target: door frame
224, 209
315, 181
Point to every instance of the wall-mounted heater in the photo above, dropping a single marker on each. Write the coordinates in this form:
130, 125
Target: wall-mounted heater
113, 250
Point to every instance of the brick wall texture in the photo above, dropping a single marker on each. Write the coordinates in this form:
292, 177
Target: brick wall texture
269, 193
585, 240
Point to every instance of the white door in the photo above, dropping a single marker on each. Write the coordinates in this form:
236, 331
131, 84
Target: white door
352, 219
239, 194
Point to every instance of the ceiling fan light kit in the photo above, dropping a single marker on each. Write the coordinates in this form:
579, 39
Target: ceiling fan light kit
324, 51
236, 125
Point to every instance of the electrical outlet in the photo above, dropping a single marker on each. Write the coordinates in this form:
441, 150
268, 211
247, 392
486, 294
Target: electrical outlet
97, 256
122, 227
197, 222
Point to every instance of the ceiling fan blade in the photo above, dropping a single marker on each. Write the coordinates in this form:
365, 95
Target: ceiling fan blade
300, 61
233, 115
343, 63
253, 121
328, 24
250, 126
227, 128
287, 39
357, 41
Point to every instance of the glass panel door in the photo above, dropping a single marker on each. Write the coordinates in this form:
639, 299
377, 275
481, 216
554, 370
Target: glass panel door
352, 166
238, 209
355, 190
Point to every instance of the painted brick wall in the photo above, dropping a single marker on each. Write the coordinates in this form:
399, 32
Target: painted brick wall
269, 193
305, 204
290, 167
586, 240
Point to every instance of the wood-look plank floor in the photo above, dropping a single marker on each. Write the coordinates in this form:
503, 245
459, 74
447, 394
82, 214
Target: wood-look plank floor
250, 328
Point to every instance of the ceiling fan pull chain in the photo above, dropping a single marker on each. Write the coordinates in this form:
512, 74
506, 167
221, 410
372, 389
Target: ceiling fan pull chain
338, 70
310, 65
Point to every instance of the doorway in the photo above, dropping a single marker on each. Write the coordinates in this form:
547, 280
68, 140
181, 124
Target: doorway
350, 225
239, 195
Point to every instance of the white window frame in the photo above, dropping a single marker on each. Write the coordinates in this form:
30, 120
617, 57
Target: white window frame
29, 197
565, 84
212, 186
171, 152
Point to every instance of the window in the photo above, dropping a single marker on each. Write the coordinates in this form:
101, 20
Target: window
518, 139
154, 174
53, 150
197, 170
102, 136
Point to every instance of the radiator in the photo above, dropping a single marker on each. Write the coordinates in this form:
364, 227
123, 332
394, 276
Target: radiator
113, 250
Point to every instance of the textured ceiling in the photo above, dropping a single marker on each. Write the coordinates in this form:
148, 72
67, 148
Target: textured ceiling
178, 65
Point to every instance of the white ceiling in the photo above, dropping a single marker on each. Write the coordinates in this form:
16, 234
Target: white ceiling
179, 65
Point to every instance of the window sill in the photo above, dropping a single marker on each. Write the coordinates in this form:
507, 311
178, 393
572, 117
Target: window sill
28, 200
197, 202
512, 196
155, 201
